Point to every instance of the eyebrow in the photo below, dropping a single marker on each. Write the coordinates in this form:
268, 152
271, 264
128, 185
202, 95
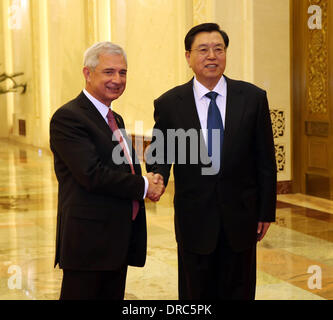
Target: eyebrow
113, 69
216, 45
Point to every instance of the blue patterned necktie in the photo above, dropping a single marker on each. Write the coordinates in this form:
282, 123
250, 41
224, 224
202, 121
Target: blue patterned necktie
214, 122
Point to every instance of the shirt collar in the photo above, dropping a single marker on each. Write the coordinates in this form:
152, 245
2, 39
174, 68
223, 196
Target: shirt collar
101, 107
201, 90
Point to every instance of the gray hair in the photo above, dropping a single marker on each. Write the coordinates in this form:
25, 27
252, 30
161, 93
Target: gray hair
91, 56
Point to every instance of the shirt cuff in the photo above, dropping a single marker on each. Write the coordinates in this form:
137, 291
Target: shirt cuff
146, 186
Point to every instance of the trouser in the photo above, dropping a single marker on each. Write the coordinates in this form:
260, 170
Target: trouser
221, 275
93, 285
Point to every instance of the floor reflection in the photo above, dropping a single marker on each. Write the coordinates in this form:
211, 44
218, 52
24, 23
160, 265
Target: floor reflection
297, 250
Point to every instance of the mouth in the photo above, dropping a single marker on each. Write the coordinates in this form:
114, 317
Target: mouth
211, 66
113, 89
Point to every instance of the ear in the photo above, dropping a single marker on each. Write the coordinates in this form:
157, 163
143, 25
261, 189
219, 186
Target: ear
188, 56
86, 72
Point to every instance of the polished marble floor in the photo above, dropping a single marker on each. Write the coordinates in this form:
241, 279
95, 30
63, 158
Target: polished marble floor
295, 260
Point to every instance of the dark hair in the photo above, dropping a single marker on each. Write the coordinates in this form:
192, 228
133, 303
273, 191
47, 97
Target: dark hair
204, 27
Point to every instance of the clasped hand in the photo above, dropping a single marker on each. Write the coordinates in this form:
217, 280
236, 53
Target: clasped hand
156, 186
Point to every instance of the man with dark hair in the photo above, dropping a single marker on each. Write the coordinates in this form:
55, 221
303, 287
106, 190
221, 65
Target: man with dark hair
205, 27
219, 215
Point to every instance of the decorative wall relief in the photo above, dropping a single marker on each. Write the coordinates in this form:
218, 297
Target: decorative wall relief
278, 118
280, 154
14, 87
317, 70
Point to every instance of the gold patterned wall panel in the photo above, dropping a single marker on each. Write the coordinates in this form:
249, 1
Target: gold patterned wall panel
312, 79
318, 154
317, 64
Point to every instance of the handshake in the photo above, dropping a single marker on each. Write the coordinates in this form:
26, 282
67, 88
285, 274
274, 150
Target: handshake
156, 186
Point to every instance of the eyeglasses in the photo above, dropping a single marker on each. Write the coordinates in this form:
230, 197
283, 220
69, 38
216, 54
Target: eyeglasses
204, 51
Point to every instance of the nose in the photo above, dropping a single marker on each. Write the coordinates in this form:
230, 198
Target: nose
116, 78
211, 53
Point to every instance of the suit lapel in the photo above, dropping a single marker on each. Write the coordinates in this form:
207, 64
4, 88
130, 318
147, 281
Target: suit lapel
94, 114
235, 108
190, 119
187, 108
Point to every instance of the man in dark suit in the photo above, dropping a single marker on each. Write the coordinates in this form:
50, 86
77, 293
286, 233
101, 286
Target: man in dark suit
225, 201
101, 223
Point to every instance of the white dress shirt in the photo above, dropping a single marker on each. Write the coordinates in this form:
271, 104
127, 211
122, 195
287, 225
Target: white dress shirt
202, 102
103, 110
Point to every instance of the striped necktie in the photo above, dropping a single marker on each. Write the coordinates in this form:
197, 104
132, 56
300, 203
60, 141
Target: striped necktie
114, 127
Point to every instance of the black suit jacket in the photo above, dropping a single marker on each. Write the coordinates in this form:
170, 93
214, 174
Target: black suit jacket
244, 191
95, 230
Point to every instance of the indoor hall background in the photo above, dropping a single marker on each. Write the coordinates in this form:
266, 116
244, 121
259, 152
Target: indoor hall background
46, 40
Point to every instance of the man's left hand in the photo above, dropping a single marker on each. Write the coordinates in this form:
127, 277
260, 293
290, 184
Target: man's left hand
262, 229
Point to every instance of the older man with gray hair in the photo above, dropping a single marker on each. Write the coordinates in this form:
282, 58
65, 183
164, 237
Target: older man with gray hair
101, 222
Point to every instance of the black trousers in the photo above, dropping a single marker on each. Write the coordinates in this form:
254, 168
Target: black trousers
93, 285
221, 275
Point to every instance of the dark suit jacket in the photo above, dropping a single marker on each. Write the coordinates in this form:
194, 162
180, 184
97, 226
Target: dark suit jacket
95, 230
244, 192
